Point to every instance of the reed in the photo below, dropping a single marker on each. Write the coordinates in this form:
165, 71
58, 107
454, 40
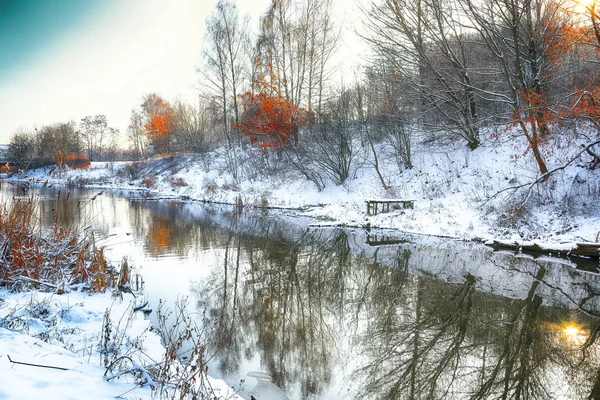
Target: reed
57, 259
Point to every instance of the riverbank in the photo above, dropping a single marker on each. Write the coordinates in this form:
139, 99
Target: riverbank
64, 346
484, 194
72, 323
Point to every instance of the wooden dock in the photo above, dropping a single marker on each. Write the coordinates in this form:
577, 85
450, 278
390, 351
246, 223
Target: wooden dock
382, 240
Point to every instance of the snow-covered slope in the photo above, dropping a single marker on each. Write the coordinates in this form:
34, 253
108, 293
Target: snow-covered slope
458, 192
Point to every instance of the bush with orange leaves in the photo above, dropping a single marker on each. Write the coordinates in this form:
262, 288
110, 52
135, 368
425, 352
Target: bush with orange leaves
56, 260
270, 121
78, 162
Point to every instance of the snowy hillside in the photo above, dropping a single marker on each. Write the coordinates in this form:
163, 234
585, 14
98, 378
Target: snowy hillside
458, 192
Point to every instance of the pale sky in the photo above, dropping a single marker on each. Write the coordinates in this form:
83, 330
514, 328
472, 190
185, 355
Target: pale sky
62, 60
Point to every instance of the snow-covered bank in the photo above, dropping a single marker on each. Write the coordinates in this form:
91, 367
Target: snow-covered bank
53, 346
458, 193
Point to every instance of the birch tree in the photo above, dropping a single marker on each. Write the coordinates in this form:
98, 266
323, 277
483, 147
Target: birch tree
297, 41
225, 61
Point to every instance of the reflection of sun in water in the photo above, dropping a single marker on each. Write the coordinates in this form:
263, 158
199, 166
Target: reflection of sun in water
571, 330
573, 333
567, 333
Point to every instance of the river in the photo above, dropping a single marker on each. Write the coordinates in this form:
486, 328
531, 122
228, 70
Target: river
301, 312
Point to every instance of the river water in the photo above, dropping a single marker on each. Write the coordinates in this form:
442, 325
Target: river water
305, 313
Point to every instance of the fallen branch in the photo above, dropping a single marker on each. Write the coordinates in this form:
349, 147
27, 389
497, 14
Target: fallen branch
31, 280
36, 365
543, 176
140, 308
568, 249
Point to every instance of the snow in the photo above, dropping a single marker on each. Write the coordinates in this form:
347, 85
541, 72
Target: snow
64, 332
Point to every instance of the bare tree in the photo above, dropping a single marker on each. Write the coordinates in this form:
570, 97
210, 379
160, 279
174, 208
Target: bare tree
21, 151
364, 109
55, 142
192, 126
95, 134
391, 114
136, 135
225, 59
425, 43
225, 64
519, 36
330, 148
296, 43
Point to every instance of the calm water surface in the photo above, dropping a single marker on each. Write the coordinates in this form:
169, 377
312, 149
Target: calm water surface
305, 313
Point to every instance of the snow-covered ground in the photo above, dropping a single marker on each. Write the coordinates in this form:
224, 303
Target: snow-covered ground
51, 347
458, 193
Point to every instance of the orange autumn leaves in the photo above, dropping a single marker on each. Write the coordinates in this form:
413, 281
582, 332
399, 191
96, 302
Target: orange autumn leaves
587, 105
561, 43
159, 125
73, 161
270, 121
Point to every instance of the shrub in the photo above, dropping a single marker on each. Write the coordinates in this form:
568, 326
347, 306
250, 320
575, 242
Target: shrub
77, 162
131, 171
513, 216
230, 186
55, 260
177, 182
149, 181
210, 186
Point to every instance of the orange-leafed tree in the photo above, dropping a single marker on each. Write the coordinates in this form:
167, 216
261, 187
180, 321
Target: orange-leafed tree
575, 53
159, 123
77, 162
269, 119
158, 131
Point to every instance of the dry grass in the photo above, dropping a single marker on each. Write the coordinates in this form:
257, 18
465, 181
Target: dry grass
56, 259
210, 186
149, 181
177, 182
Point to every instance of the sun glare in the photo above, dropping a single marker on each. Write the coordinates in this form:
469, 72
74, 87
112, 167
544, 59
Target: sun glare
572, 333
571, 330
585, 5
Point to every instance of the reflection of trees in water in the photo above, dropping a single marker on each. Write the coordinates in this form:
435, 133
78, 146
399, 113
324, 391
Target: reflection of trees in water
291, 298
70, 209
281, 301
165, 228
449, 341
294, 304
424, 338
